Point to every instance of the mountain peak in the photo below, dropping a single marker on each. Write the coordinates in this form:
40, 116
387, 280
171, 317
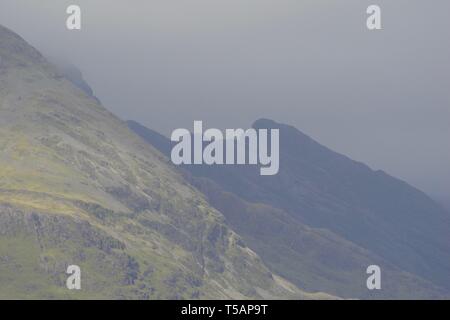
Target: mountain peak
15, 51
73, 74
264, 123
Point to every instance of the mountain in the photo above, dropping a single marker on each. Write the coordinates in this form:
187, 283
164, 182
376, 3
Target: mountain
324, 218
72, 73
78, 187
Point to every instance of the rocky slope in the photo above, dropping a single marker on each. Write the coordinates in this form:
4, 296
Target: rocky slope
324, 218
77, 187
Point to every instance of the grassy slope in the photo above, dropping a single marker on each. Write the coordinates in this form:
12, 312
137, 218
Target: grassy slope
77, 187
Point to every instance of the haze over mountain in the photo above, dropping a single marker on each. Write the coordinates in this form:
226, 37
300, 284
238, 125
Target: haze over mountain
78, 187
377, 97
324, 218
73, 74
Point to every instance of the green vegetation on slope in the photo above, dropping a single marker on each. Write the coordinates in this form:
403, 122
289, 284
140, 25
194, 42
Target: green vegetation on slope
77, 187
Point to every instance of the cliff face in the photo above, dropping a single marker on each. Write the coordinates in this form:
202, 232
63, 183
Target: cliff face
77, 187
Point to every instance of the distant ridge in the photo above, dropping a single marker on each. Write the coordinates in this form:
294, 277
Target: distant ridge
346, 204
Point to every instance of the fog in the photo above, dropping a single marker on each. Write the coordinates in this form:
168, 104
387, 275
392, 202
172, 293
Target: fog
380, 97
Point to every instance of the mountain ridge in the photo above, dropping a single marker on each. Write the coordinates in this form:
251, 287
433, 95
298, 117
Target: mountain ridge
254, 196
78, 187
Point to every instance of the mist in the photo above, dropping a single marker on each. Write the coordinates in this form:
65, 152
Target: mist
380, 97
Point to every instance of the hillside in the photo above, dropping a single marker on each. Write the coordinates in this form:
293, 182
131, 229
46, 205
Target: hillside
314, 224
78, 187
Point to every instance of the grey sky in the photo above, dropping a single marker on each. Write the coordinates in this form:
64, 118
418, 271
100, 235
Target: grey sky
380, 97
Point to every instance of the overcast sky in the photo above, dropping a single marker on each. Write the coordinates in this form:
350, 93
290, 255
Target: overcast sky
381, 97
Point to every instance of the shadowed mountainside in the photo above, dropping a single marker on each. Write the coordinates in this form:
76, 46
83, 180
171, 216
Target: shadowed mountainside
324, 218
